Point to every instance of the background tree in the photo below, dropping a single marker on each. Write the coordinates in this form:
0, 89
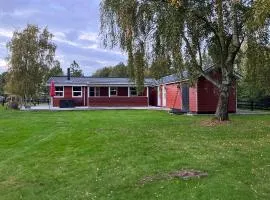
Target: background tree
120, 70
31, 55
75, 69
160, 67
184, 31
104, 72
255, 65
55, 70
3, 78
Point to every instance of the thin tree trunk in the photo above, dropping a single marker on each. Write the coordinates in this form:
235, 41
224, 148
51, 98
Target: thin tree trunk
223, 103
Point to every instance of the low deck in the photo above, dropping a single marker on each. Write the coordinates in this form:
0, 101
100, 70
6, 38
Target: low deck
47, 107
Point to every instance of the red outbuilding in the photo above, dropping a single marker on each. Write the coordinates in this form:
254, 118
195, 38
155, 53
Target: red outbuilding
200, 97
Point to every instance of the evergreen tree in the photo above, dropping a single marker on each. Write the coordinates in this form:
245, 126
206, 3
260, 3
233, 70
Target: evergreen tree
75, 69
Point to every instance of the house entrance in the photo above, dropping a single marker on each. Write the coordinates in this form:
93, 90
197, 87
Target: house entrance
185, 97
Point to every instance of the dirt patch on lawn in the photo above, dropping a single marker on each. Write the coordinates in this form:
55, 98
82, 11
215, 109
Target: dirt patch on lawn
188, 174
184, 174
213, 123
10, 182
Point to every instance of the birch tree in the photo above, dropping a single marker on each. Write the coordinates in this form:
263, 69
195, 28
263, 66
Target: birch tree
31, 55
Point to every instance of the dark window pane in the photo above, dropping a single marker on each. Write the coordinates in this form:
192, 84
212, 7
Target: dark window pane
59, 88
113, 91
77, 88
133, 91
91, 91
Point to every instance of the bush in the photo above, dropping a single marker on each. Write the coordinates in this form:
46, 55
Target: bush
13, 105
13, 102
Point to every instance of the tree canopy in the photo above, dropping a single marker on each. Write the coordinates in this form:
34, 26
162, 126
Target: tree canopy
193, 35
31, 55
3, 78
55, 70
120, 70
75, 69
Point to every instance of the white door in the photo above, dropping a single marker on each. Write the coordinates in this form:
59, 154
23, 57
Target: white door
158, 96
163, 96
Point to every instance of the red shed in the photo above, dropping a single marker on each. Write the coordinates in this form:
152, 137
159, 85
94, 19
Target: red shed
202, 97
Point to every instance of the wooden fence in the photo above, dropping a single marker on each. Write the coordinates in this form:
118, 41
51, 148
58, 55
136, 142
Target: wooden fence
253, 105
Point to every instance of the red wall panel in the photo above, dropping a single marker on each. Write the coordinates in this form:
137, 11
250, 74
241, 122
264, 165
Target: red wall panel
122, 91
68, 92
208, 97
104, 91
173, 96
118, 101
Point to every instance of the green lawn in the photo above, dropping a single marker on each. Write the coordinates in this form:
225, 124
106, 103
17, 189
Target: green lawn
105, 155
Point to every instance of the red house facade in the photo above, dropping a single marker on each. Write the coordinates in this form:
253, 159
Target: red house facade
99, 92
168, 92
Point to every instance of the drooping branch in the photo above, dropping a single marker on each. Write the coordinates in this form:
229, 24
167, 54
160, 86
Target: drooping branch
197, 66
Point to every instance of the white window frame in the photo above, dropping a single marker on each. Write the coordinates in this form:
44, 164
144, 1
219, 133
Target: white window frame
89, 92
158, 96
132, 95
164, 96
111, 89
76, 91
95, 92
63, 92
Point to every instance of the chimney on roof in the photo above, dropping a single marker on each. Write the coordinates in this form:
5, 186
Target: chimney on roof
68, 73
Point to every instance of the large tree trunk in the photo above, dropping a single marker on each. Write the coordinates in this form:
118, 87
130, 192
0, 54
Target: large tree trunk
223, 103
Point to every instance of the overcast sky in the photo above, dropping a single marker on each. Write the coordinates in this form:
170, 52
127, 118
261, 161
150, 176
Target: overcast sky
74, 23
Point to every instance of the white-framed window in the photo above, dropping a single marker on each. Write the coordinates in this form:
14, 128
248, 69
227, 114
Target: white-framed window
94, 91
91, 91
132, 91
76, 91
113, 91
59, 91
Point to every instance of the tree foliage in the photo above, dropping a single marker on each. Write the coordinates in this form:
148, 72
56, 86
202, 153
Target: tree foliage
3, 80
120, 70
161, 67
256, 72
31, 55
255, 60
56, 70
186, 32
75, 69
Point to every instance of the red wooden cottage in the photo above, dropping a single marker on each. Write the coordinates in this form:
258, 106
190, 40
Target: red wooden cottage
96, 92
169, 92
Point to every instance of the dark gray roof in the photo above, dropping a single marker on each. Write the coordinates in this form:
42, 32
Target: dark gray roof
62, 80
173, 78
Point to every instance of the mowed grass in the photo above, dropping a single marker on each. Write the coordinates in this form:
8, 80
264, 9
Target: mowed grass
106, 154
